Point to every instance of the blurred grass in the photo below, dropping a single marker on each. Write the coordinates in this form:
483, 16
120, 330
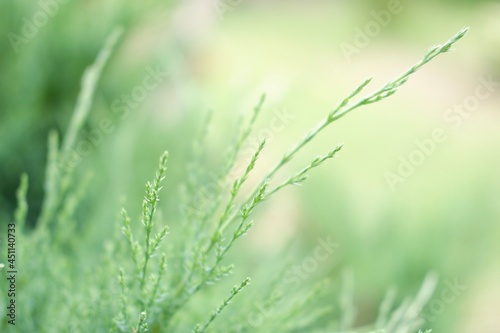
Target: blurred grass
445, 217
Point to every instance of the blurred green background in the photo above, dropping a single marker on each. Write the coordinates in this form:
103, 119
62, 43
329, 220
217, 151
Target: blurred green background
222, 55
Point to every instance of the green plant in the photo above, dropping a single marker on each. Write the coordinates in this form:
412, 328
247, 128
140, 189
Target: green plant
146, 281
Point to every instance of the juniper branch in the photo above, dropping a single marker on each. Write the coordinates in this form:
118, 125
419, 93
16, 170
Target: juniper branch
148, 211
346, 106
236, 290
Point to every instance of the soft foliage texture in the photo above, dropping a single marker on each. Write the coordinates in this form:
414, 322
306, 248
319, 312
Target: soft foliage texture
148, 278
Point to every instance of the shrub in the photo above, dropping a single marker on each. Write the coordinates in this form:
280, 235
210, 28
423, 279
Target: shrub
149, 280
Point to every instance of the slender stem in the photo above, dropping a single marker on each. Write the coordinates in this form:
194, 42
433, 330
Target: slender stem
344, 107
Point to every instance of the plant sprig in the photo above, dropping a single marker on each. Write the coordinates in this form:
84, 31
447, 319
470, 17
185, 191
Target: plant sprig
149, 204
346, 106
235, 291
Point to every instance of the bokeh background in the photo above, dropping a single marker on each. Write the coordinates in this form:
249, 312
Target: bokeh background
221, 55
